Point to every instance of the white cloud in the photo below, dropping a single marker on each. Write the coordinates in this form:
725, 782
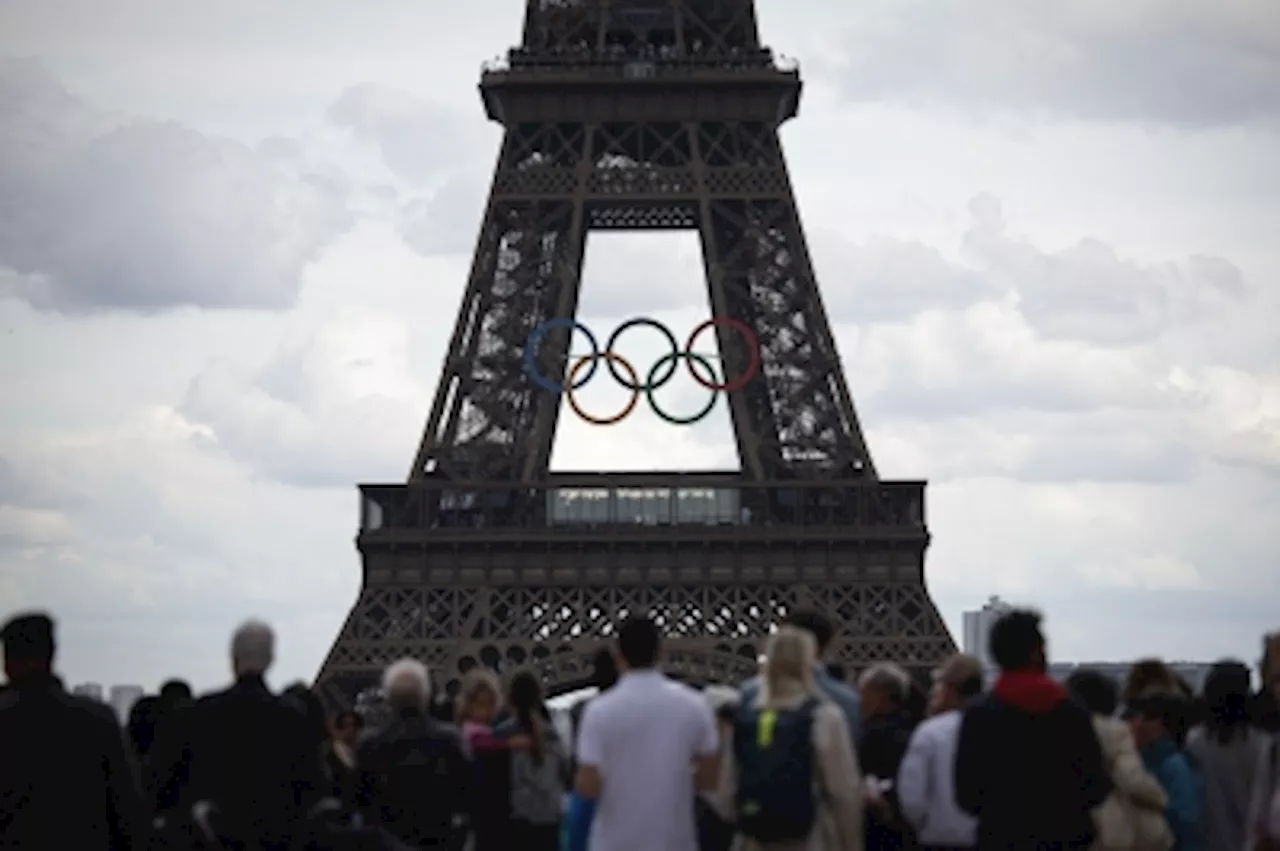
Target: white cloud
1189, 65
107, 212
327, 410
418, 139
1088, 292
989, 358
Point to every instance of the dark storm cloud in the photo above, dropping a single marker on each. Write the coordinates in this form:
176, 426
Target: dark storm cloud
1145, 61
101, 212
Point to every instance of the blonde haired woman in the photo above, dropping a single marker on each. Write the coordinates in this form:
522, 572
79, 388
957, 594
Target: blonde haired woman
787, 686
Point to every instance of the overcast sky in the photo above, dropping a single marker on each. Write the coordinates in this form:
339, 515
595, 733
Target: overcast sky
233, 237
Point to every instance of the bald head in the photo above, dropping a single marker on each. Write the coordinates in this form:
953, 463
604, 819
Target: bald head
253, 649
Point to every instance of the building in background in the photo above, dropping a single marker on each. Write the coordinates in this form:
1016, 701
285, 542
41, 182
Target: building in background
122, 699
977, 627
93, 691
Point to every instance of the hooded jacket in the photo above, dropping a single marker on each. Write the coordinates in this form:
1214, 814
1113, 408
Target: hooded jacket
1029, 767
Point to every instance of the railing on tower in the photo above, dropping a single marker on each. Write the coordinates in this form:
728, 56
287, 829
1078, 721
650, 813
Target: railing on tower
574, 504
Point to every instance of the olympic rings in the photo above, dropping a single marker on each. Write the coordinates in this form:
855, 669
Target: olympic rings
753, 347
690, 358
609, 358
535, 340
649, 384
663, 370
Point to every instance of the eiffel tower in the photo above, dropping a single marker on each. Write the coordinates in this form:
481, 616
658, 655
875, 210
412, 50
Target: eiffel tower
637, 115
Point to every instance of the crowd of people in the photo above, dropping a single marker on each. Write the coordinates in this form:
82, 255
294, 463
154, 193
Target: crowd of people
796, 759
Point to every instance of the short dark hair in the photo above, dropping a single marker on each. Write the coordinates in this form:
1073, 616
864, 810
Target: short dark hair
836, 671
174, 690
1095, 691
1016, 639
638, 642
29, 637
604, 669
816, 624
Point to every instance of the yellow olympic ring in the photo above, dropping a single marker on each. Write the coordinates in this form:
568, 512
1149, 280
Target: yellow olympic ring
573, 377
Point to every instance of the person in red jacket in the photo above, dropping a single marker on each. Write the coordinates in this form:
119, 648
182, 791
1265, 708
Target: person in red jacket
1028, 765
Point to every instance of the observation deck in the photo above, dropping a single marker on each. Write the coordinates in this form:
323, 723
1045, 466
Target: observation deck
640, 507
753, 83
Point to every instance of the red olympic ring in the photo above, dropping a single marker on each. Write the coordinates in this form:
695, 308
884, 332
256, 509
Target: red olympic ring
753, 349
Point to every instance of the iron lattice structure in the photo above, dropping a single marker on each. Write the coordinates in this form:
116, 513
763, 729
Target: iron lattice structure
637, 115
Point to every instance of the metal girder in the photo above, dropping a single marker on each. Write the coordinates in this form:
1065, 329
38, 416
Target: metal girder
554, 183
565, 28
637, 115
715, 633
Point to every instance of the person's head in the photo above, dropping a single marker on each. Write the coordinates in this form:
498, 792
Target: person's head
1154, 716
175, 691
479, 698
1094, 691
406, 684
1017, 641
253, 649
29, 647
1148, 675
816, 624
958, 681
174, 694
836, 671
604, 669
639, 642
1227, 700
525, 696
347, 726
790, 655
883, 688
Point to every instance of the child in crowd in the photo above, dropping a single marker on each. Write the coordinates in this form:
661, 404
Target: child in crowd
479, 700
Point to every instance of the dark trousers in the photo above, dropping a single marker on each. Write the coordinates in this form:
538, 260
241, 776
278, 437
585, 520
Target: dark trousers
534, 837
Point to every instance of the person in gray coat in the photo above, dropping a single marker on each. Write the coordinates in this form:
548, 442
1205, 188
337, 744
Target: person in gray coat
1226, 748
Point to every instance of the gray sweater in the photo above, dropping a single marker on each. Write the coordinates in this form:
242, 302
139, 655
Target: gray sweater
1227, 773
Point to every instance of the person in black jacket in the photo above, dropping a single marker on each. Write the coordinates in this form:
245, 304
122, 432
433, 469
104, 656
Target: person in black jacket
1028, 765
247, 751
416, 781
66, 778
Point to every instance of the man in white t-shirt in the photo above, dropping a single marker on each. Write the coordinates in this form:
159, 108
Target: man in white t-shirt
646, 746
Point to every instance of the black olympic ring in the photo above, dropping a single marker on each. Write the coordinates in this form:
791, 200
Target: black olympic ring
666, 365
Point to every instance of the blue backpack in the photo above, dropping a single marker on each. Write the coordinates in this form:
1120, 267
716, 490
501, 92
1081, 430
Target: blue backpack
774, 753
